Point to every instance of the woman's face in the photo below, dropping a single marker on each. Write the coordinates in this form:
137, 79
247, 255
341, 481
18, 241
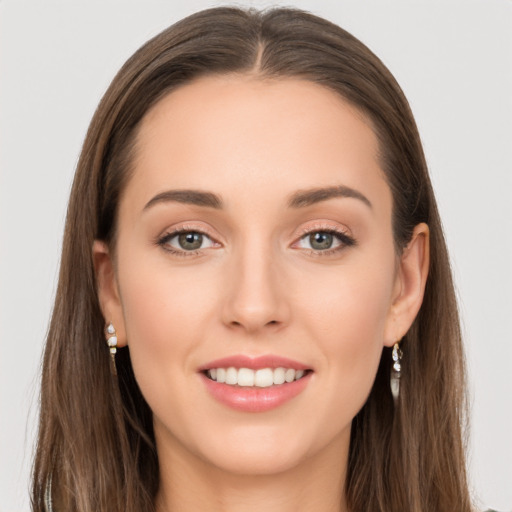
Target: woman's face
255, 233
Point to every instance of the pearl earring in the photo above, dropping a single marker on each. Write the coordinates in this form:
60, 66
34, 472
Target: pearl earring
112, 343
396, 369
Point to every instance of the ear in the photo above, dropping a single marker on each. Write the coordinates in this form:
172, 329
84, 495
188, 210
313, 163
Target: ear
108, 290
409, 286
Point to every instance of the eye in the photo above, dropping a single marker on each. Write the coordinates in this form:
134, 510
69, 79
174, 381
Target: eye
186, 241
320, 240
325, 241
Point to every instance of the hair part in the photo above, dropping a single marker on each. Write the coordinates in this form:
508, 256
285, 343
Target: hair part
96, 441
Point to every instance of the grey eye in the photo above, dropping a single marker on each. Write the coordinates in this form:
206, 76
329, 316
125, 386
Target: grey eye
187, 241
321, 240
190, 241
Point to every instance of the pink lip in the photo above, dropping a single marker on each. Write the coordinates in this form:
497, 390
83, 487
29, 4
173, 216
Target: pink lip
254, 399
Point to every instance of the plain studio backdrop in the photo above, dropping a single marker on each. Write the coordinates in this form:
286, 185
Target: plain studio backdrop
452, 58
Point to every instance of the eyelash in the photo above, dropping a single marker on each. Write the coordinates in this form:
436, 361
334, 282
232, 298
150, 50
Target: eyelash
344, 239
164, 240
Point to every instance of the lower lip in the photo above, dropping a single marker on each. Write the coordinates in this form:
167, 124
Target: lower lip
254, 399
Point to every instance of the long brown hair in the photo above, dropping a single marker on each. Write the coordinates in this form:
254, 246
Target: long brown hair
96, 445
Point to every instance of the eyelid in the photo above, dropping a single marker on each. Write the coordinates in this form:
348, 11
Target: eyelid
189, 226
323, 226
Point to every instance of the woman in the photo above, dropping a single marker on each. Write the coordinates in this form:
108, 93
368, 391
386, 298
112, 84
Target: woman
255, 306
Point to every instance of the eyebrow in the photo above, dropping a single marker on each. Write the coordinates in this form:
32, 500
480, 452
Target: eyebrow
195, 197
303, 198
299, 199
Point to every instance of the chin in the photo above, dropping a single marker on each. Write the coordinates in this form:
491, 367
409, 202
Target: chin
257, 460
262, 450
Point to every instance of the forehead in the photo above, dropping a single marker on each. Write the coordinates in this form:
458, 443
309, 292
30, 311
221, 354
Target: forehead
247, 136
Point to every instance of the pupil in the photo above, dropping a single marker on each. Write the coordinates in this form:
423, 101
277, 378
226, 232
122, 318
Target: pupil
320, 240
190, 241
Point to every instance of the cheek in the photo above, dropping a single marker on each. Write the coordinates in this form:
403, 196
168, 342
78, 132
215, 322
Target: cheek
165, 312
347, 313
349, 303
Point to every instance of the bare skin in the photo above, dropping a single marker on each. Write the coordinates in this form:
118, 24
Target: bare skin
269, 267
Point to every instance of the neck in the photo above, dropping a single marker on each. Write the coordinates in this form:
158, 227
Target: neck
191, 484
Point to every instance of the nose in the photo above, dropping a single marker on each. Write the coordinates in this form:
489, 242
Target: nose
256, 299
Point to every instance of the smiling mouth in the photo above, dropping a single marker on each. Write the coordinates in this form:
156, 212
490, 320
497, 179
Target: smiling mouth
262, 378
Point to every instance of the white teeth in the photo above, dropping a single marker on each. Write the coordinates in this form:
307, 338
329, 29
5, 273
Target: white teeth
289, 375
231, 376
221, 375
279, 376
262, 378
245, 377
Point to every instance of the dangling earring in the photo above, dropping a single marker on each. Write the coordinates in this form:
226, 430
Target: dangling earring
396, 371
112, 343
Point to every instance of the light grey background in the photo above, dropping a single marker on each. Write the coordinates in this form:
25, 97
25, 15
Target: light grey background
452, 58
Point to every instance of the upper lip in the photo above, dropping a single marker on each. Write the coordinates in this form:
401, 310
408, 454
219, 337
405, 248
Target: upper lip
254, 363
